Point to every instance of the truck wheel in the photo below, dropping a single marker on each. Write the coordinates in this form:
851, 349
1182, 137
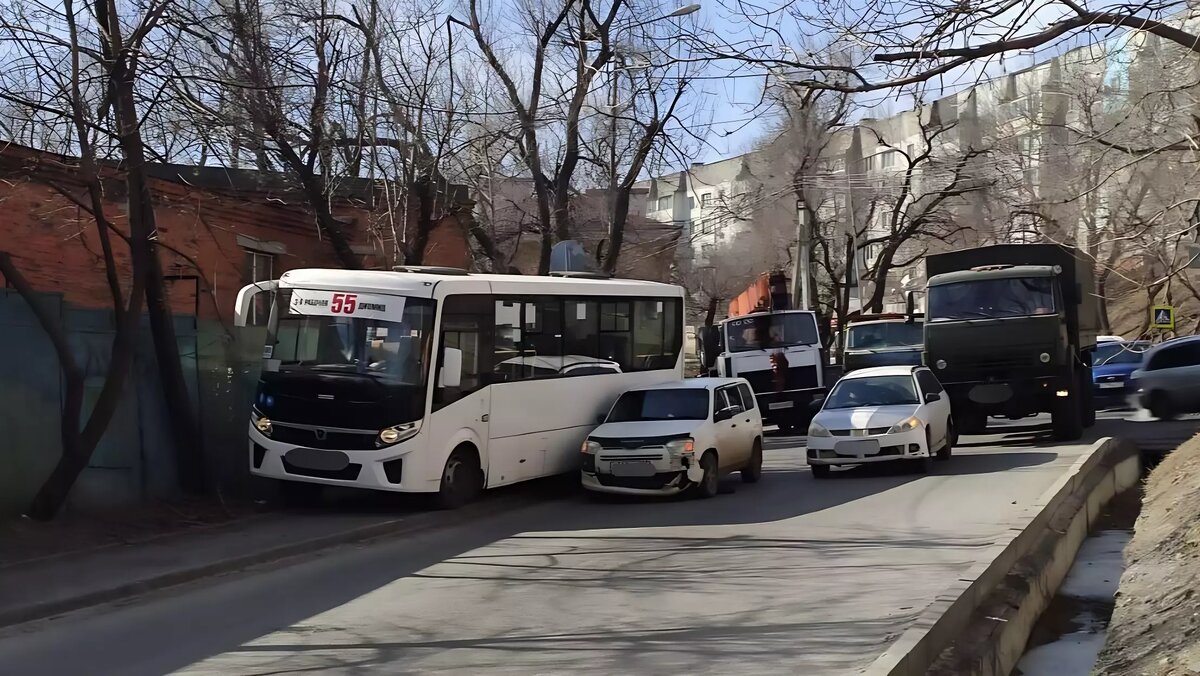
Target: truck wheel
1088, 400
1066, 418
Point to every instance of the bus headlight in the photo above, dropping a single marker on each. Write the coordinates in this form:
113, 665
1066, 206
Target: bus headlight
397, 433
261, 423
681, 446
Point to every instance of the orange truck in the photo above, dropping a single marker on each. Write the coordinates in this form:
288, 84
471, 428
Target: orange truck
768, 293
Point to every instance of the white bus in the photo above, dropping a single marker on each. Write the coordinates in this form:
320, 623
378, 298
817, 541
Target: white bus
435, 381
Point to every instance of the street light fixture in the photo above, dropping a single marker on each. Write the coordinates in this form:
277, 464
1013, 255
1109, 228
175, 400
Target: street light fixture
684, 11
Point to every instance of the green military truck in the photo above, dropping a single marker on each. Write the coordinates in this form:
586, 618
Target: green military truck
1010, 330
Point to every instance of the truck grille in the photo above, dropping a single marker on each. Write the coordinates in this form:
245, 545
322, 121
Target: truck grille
795, 378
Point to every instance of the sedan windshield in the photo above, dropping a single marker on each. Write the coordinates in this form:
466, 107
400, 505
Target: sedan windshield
992, 299
1119, 353
395, 351
872, 391
674, 404
759, 332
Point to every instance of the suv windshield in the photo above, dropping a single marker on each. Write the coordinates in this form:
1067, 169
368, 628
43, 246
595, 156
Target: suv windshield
992, 298
873, 391
884, 335
758, 332
1119, 353
674, 404
395, 351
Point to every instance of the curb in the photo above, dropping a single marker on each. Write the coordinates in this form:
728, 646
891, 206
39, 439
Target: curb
407, 525
1033, 558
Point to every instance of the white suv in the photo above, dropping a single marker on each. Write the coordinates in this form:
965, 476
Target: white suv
664, 439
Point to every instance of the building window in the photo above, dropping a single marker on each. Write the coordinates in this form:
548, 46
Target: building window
664, 203
260, 267
691, 203
705, 200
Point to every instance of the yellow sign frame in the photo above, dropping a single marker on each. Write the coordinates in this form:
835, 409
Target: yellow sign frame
1156, 317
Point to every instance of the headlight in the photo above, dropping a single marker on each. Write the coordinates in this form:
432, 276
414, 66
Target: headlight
397, 433
261, 423
906, 425
681, 446
818, 430
941, 363
590, 446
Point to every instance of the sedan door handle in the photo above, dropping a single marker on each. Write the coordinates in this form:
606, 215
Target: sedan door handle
733, 425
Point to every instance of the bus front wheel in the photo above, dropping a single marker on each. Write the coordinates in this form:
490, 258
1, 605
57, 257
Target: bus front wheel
462, 479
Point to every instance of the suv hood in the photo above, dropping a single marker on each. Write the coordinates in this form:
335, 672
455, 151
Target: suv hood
646, 430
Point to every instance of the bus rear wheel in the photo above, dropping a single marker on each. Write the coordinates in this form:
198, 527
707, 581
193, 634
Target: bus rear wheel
462, 479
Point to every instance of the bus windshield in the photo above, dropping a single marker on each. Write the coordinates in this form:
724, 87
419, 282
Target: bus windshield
992, 299
392, 351
764, 331
883, 335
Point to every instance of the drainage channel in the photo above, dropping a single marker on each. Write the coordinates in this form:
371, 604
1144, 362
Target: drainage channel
1070, 634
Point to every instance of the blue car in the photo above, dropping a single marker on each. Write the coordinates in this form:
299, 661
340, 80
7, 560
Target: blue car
1112, 362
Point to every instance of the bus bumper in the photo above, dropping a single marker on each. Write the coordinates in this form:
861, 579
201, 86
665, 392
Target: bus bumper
387, 469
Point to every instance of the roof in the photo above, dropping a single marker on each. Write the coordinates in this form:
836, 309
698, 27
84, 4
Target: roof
689, 384
421, 284
1175, 341
902, 370
1011, 272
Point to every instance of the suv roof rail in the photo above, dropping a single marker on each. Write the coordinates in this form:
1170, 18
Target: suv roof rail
580, 274
430, 269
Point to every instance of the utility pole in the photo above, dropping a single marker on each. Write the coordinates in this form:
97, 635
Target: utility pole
802, 268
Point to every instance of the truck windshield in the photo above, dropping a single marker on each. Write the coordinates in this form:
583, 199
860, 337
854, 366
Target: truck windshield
673, 404
760, 332
992, 299
884, 335
393, 351
873, 391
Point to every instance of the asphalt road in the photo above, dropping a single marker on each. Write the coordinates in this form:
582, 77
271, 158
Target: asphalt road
788, 576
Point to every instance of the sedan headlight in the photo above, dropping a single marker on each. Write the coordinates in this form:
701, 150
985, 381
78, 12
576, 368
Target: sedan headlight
397, 433
261, 422
816, 429
590, 446
681, 446
906, 425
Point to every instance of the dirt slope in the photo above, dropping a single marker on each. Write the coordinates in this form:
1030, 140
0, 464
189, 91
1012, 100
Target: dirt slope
1155, 628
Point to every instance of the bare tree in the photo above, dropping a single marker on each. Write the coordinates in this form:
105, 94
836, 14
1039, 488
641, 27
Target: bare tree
94, 98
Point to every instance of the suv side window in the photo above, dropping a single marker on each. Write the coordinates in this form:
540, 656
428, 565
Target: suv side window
747, 397
1175, 356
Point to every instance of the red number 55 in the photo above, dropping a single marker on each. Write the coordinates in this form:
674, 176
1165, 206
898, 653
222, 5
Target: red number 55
344, 303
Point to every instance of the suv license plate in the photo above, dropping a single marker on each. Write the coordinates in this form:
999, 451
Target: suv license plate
632, 468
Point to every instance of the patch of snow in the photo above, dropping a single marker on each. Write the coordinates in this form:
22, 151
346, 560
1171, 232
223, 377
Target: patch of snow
1071, 655
1098, 566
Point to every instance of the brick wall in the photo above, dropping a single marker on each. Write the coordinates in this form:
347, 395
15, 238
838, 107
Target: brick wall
205, 234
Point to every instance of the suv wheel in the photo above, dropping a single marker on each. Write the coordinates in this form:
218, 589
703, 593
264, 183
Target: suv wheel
711, 480
752, 472
1161, 406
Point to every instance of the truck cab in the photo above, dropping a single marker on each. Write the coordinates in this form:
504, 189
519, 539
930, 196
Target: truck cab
882, 340
780, 355
1009, 331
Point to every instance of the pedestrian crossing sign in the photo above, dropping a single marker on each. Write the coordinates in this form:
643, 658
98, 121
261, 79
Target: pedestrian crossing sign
1162, 317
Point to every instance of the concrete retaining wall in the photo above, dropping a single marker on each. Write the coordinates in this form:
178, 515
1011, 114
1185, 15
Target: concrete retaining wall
981, 623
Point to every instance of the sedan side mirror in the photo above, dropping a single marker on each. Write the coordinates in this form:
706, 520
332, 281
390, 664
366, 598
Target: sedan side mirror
932, 397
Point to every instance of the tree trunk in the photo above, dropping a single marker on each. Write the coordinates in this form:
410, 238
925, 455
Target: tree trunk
143, 243
711, 315
426, 195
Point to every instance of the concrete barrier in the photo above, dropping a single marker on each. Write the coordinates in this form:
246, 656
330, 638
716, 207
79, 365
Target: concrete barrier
980, 624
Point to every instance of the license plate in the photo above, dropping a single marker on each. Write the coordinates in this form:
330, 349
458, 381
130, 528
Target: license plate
311, 458
1111, 386
776, 405
858, 447
631, 468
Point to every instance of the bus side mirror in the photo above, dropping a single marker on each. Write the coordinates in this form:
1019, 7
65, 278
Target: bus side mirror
245, 299
452, 362
910, 308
